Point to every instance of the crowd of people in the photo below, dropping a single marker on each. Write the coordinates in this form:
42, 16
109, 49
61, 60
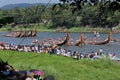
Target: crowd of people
54, 49
7, 72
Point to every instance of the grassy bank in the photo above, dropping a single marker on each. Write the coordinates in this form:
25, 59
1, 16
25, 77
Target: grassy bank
63, 68
48, 28
84, 29
38, 27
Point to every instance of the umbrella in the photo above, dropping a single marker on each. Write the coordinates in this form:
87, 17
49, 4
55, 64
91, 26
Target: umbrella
1, 43
38, 72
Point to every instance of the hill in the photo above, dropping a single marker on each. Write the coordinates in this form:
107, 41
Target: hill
21, 5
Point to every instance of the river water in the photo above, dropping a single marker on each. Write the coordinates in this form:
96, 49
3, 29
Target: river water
113, 47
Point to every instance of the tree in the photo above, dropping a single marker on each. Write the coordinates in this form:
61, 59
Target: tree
62, 17
94, 17
78, 4
6, 20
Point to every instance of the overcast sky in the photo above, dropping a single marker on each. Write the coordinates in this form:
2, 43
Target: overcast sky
5, 2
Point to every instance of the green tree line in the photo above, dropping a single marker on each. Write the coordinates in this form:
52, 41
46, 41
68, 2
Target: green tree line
63, 16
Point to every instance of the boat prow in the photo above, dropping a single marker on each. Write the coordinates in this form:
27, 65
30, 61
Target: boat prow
65, 42
80, 41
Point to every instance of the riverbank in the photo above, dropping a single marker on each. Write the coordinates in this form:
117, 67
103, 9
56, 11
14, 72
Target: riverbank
47, 28
63, 68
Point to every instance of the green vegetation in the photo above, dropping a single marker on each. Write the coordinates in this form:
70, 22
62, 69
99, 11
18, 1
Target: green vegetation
63, 68
46, 28
50, 18
83, 29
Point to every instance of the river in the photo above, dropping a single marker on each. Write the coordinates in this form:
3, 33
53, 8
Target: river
113, 47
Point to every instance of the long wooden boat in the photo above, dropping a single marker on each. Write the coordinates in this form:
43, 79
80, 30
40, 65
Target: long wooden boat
14, 34
80, 40
66, 41
106, 41
18, 34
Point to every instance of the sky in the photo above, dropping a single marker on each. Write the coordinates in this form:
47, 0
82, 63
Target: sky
5, 2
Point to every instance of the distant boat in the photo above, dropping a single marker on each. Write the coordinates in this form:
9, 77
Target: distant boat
14, 34
17, 34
